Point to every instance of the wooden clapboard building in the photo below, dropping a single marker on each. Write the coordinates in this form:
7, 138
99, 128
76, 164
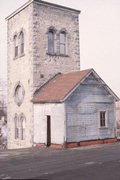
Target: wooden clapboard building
74, 109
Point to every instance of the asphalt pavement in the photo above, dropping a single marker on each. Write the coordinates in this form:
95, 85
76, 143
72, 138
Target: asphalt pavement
98, 162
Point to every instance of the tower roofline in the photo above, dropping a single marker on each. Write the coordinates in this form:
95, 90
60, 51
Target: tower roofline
42, 3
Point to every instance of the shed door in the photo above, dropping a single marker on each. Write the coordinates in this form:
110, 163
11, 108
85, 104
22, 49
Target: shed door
48, 131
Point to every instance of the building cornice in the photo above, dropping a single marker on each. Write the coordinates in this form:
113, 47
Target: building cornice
56, 5
41, 3
19, 9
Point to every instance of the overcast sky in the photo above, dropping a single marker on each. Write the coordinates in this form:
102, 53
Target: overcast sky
99, 36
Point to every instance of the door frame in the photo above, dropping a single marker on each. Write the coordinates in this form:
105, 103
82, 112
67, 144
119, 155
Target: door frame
48, 130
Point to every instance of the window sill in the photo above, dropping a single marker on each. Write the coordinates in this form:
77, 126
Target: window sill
54, 54
17, 57
18, 139
21, 55
103, 128
63, 55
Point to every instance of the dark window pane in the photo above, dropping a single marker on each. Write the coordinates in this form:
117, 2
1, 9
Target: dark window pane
102, 119
21, 43
51, 42
63, 43
62, 37
16, 133
16, 51
15, 46
62, 49
22, 48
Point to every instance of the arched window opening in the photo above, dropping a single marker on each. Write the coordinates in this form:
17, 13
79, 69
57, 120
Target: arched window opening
51, 41
19, 127
63, 43
21, 43
15, 46
22, 127
19, 94
16, 121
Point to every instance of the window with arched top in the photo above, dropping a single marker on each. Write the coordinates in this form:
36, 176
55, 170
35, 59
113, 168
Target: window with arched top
19, 94
63, 43
51, 43
22, 126
21, 43
19, 123
16, 123
15, 46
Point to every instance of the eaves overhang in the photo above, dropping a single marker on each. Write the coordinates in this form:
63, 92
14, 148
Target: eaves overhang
41, 3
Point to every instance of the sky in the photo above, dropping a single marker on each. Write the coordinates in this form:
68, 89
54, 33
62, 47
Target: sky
99, 36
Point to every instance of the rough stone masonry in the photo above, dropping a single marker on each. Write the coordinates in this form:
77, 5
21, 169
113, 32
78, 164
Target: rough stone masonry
29, 70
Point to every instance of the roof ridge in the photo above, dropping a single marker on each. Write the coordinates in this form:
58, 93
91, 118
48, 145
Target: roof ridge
74, 72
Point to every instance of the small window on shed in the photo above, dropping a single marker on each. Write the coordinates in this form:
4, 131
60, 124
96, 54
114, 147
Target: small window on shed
103, 122
15, 46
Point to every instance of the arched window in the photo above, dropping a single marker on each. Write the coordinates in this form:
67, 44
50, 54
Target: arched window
16, 122
22, 127
63, 43
51, 41
21, 43
19, 94
15, 46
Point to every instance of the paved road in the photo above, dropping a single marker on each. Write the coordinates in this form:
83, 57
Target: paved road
100, 162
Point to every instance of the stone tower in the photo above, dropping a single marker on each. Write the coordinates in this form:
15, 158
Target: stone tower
43, 39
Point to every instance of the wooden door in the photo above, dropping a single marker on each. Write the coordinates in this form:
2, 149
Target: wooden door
48, 131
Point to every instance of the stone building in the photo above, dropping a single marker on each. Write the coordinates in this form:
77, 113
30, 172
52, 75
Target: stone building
50, 101
43, 39
74, 109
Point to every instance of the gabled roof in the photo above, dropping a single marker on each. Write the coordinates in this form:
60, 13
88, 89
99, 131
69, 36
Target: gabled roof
60, 87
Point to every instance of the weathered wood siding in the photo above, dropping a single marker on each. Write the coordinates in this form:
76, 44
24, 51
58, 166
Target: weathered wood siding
82, 112
118, 119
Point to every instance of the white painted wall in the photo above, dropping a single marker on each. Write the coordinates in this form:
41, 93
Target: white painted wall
57, 113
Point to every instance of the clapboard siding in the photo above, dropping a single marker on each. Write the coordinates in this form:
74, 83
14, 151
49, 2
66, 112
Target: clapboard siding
82, 112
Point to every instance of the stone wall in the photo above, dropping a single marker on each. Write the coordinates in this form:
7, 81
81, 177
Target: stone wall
46, 65
20, 70
36, 66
